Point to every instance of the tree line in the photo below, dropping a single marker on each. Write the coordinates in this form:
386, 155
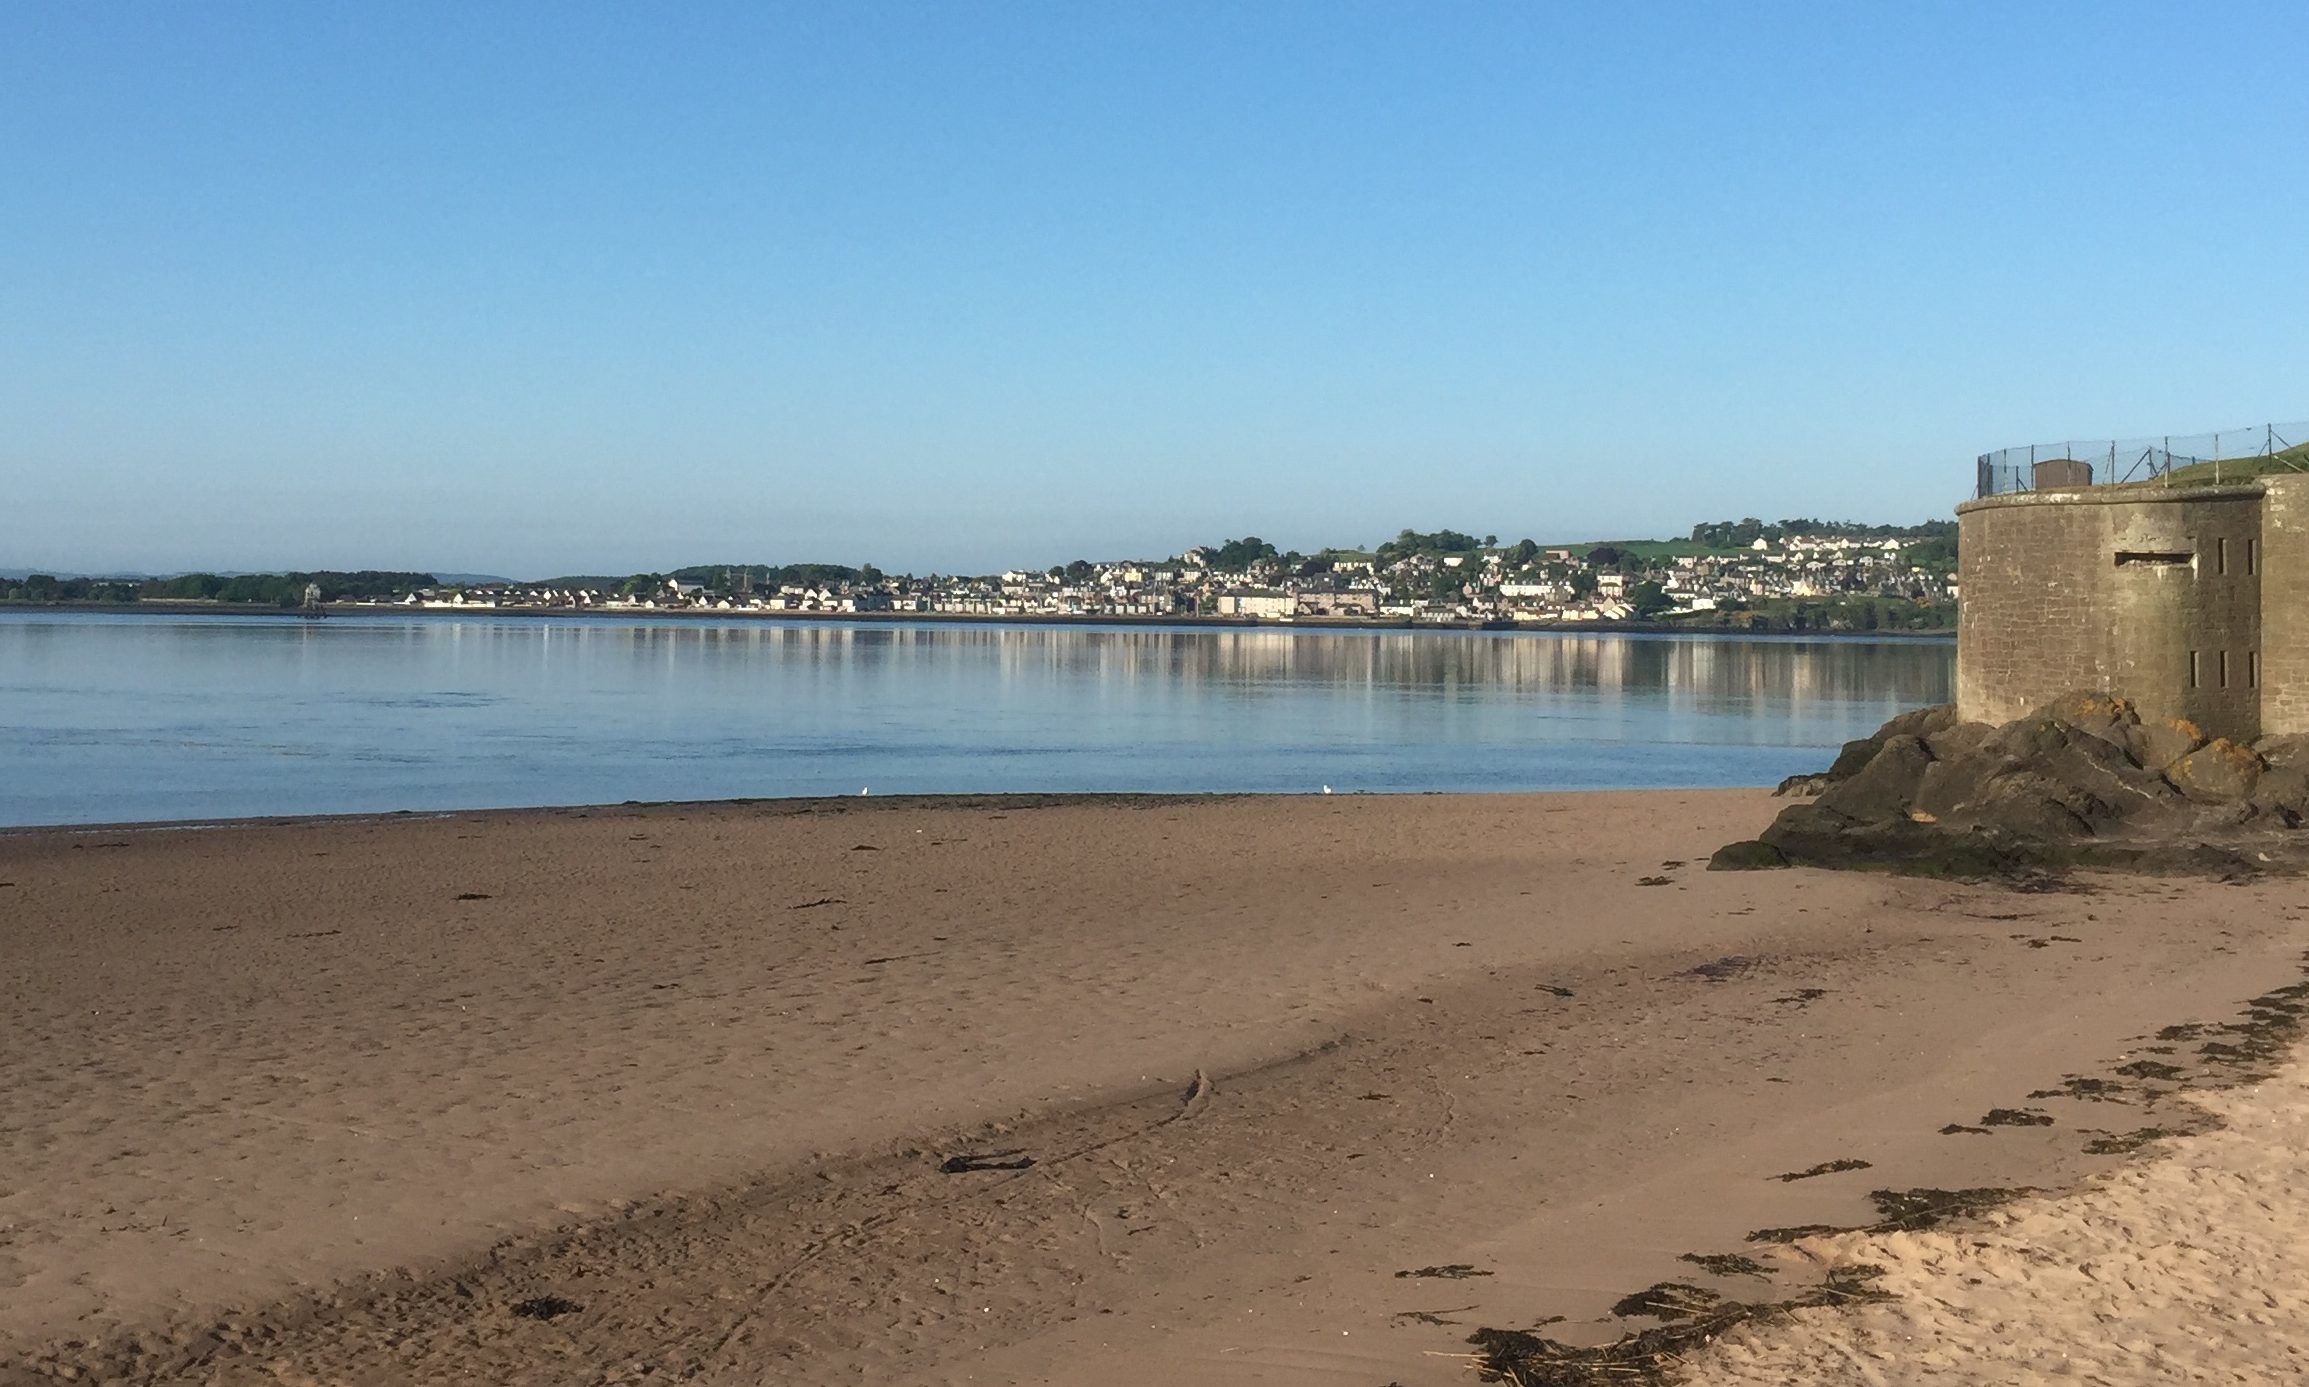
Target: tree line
249, 589
1742, 534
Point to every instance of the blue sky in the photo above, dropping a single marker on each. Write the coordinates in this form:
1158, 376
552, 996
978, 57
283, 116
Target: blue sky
587, 287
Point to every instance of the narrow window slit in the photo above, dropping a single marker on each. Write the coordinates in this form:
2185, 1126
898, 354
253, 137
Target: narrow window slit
2126, 558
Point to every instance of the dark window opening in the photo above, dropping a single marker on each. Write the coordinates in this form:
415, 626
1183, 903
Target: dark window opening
2193, 680
2252, 669
2128, 557
2221, 667
2220, 556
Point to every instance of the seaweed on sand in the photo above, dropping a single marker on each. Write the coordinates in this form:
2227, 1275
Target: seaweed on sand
1795, 1233
2090, 1090
2119, 1144
1824, 1168
1726, 1264
1905, 1211
2273, 1024
2015, 1117
1668, 1300
1648, 1357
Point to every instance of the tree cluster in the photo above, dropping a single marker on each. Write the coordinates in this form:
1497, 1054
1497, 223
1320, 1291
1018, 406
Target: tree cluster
1410, 542
249, 589
1742, 534
1238, 554
764, 577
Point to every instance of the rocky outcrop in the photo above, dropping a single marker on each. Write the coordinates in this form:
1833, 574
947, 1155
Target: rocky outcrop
2082, 781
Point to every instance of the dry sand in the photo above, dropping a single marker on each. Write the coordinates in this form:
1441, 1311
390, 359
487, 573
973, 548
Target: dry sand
2191, 1268
341, 1100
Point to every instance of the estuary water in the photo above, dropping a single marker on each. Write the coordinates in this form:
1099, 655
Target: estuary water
111, 719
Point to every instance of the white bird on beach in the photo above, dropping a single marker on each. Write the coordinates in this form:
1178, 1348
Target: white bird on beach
1326, 789
864, 791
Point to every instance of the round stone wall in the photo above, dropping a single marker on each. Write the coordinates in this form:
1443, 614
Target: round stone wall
2148, 592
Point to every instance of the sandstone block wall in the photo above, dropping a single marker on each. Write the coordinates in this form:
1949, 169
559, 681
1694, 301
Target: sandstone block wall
2153, 594
2285, 605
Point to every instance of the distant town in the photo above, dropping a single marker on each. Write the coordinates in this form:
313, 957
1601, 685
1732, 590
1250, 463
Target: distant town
1743, 575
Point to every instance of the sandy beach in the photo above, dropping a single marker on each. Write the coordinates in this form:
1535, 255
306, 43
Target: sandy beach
1272, 1090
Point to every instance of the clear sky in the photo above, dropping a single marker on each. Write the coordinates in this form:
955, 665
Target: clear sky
541, 288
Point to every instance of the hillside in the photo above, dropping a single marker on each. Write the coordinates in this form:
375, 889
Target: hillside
2293, 459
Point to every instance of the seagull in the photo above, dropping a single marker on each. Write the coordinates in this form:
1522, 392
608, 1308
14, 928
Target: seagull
864, 791
1326, 789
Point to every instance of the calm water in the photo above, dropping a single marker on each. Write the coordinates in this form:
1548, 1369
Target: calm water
117, 718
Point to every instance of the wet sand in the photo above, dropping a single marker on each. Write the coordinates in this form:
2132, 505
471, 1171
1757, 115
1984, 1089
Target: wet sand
1310, 1087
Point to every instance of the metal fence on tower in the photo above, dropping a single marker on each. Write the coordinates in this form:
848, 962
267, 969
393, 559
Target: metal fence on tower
2168, 460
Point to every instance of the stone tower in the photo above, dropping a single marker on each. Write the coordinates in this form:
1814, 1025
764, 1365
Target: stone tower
2192, 601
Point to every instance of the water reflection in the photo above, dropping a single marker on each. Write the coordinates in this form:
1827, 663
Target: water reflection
155, 717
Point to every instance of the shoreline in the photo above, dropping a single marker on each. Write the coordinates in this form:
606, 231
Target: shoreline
1280, 1065
1183, 623
793, 804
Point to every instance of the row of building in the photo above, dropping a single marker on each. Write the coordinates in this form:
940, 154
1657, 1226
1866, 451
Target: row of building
1554, 585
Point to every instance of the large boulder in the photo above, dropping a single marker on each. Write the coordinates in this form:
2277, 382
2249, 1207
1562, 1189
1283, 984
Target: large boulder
1853, 758
2159, 743
2089, 710
2219, 772
1749, 856
2291, 750
1953, 784
2089, 775
2035, 806
2282, 793
1884, 789
1957, 738
1908, 848
1923, 722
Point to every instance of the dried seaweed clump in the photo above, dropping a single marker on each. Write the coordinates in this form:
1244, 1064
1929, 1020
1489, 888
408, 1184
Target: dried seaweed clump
2015, 1117
1649, 1357
1669, 1300
2085, 1089
1824, 1168
1906, 1211
1726, 1264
